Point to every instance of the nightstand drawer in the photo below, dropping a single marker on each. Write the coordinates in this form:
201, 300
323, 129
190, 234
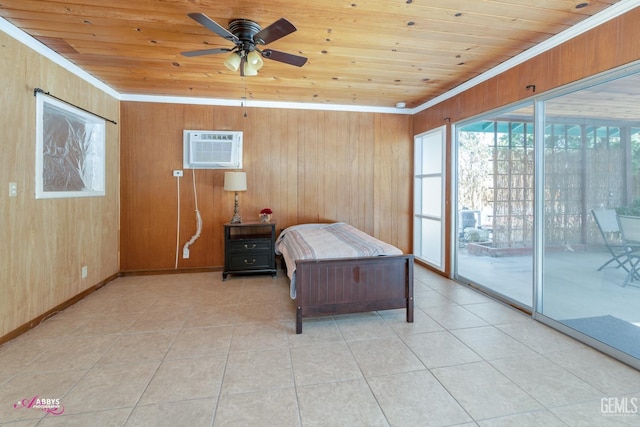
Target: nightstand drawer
250, 246
251, 261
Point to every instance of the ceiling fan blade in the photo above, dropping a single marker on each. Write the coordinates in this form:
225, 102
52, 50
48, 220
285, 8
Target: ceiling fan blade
212, 25
287, 58
273, 32
206, 52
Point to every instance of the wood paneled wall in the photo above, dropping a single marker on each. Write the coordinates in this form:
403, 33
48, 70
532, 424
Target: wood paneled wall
45, 243
305, 165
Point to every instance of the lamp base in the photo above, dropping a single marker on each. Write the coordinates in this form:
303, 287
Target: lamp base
236, 216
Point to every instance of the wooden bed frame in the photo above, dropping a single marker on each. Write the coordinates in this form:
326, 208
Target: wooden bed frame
352, 285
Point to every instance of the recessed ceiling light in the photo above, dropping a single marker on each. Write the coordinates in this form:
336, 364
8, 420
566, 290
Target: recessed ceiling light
400, 105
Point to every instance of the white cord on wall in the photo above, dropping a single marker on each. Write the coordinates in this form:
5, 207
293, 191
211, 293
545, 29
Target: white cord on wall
178, 224
185, 250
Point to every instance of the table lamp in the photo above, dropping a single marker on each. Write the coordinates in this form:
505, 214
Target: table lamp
235, 181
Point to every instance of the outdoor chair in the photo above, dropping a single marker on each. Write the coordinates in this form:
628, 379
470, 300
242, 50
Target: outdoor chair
630, 232
607, 222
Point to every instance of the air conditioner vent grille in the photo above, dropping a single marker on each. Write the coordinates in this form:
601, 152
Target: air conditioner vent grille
212, 149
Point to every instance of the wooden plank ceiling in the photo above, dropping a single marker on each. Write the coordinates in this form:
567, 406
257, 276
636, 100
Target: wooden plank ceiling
362, 53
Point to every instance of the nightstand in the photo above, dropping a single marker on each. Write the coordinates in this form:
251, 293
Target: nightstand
249, 247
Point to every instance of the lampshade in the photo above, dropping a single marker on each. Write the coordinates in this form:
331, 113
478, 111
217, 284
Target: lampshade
255, 59
232, 62
250, 70
235, 181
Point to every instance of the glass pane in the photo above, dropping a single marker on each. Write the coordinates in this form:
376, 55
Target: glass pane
432, 196
591, 277
432, 158
431, 248
495, 204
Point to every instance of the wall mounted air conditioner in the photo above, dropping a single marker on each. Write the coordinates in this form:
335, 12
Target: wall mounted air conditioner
212, 149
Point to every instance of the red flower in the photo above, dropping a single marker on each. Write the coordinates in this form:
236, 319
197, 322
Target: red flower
266, 211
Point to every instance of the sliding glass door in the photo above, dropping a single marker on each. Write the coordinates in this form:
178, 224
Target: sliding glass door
547, 209
592, 188
494, 239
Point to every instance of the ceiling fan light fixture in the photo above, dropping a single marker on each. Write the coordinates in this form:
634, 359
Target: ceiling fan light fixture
232, 62
255, 59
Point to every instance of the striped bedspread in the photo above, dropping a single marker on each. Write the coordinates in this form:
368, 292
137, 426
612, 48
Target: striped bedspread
323, 241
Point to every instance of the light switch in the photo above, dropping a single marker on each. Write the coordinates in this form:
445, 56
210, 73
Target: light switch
13, 189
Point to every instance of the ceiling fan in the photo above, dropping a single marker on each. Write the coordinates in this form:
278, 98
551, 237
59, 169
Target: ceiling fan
247, 36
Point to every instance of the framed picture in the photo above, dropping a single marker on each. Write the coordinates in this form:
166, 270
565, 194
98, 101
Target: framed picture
70, 150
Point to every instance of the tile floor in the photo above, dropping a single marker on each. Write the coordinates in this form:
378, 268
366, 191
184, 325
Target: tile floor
191, 350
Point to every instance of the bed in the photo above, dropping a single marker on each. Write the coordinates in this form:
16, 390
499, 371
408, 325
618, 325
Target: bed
337, 269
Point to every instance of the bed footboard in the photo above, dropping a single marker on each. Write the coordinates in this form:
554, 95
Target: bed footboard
352, 285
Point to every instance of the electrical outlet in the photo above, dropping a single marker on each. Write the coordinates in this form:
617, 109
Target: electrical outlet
85, 271
185, 253
177, 173
13, 189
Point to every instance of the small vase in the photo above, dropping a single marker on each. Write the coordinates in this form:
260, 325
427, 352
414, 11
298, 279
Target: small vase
265, 217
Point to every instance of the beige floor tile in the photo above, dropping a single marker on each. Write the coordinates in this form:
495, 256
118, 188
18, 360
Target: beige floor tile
463, 295
324, 363
25, 386
139, 347
528, 419
454, 317
160, 320
363, 326
110, 418
431, 298
263, 294
496, 313
201, 342
491, 343
26, 423
259, 313
74, 353
218, 297
109, 387
545, 381
259, 336
316, 331
539, 337
249, 371
397, 320
416, 399
602, 372
259, 409
105, 324
592, 413
483, 391
203, 345
384, 356
222, 315
192, 413
437, 349
56, 326
345, 403
185, 379
17, 355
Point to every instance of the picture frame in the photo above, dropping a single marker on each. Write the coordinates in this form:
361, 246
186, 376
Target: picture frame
70, 150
